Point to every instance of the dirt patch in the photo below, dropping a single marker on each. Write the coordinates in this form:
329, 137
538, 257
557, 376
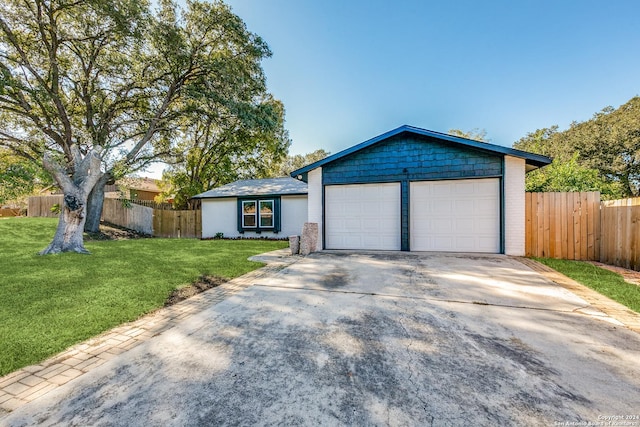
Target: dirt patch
112, 232
202, 284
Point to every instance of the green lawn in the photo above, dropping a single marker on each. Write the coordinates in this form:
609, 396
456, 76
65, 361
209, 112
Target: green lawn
604, 281
48, 303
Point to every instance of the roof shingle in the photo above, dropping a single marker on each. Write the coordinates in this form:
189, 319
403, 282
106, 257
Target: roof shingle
256, 187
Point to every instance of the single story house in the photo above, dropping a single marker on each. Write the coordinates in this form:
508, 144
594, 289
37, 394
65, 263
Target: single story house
413, 189
272, 208
134, 188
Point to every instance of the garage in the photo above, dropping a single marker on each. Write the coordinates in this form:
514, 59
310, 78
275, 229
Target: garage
455, 216
363, 216
414, 189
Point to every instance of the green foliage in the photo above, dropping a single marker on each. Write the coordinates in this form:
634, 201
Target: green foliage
475, 134
545, 141
606, 282
571, 176
291, 163
49, 304
610, 142
19, 178
70, 73
601, 154
245, 144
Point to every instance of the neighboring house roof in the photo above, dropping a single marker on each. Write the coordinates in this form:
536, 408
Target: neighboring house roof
143, 184
256, 187
533, 161
131, 183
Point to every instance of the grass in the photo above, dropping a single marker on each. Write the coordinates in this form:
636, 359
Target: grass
603, 281
48, 303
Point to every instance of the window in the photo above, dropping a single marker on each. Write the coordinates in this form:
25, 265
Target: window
259, 215
249, 214
266, 214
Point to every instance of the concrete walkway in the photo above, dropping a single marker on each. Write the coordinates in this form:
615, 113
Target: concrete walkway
27, 384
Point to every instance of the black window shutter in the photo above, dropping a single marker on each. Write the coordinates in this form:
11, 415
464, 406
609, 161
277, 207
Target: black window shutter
239, 219
276, 214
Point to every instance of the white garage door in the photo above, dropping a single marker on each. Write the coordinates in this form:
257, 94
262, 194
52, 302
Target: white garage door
362, 216
455, 216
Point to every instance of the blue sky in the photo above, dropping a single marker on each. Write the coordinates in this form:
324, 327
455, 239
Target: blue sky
350, 70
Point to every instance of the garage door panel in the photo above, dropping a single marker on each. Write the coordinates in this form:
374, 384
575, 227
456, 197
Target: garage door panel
486, 243
362, 216
440, 189
485, 206
455, 215
464, 189
444, 208
443, 225
348, 224
443, 242
488, 224
465, 244
464, 227
370, 225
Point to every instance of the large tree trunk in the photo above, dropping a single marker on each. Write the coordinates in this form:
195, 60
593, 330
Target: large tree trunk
95, 203
76, 188
68, 237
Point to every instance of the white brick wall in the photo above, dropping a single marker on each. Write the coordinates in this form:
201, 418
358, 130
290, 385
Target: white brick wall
514, 210
315, 201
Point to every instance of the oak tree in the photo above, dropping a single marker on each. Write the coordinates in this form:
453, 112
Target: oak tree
93, 88
220, 143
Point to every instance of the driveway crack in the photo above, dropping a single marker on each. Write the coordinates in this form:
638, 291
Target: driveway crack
415, 297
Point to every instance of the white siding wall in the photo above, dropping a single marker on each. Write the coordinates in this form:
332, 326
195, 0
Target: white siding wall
221, 216
514, 209
294, 215
315, 202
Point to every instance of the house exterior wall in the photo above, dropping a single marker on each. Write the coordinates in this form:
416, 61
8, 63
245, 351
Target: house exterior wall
316, 202
411, 158
514, 206
294, 215
143, 194
221, 216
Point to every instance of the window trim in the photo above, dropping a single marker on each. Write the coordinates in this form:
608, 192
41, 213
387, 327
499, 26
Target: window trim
258, 228
273, 214
244, 215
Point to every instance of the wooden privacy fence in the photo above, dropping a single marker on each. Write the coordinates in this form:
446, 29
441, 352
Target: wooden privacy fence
157, 222
40, 206
128, 215
578, 226
177, 223
620, 240
563, 225
124, 213
5, 212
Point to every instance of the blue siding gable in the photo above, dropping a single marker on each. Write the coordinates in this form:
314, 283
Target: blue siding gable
414, 158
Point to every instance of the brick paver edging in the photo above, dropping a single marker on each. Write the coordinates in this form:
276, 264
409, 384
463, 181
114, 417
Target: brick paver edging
31, 382
614, 309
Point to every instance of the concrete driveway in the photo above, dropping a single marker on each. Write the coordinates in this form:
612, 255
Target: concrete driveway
370, 339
